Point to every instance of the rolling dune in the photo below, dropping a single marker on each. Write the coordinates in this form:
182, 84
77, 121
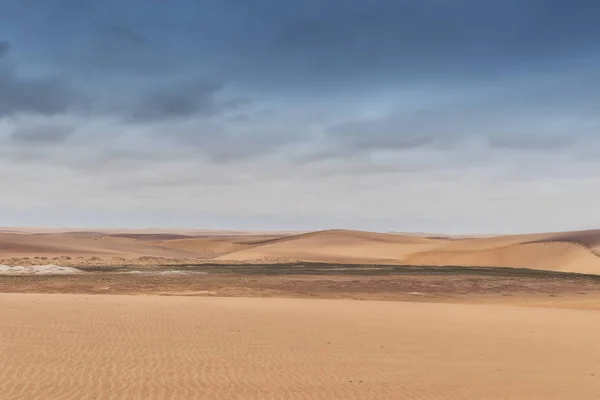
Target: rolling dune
557, 251
337, 246
589, 239
213, 247
31, 245
220, 244
570, 252
565, 252
552, 256
151, 347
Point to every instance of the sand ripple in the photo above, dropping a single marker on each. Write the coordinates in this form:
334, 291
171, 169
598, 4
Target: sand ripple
150, 347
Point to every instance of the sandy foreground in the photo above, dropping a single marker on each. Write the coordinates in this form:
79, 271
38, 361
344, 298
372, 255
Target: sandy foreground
151, 347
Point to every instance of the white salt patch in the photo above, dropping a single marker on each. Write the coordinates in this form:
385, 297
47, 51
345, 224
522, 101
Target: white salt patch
49, 269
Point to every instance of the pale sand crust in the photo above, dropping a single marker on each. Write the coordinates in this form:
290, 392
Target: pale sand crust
565, 251
59, 347
37, 270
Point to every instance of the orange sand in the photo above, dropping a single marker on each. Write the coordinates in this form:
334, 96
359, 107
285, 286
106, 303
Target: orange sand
150, 347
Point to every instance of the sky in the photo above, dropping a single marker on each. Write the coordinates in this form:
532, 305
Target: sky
455, 116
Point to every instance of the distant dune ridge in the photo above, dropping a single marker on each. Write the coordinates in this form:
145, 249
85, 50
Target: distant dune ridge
577, 251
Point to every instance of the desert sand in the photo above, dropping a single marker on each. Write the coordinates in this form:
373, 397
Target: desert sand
151, 347
563, 251
159, 314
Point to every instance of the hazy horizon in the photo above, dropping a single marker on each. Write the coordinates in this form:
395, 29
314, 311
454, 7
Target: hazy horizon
253, 230
412, 116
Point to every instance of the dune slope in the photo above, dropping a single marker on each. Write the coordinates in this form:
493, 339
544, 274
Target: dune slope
337, 246
552, 256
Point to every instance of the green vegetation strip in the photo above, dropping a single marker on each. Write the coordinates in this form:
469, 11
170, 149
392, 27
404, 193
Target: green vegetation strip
348, 269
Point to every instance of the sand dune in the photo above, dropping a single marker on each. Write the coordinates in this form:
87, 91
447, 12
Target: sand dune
570, 252
559, 256
221, 244
589, 239
566, 252
150, 347
337, 246
30, 245
558, 251
211, 247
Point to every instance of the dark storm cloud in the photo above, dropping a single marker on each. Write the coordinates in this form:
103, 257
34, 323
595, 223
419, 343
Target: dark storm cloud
176, 101
118, 49
40, 95
181, 100
143, 51
427, 40
312, 46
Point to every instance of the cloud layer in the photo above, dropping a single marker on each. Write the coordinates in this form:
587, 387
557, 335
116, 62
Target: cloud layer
415, 115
